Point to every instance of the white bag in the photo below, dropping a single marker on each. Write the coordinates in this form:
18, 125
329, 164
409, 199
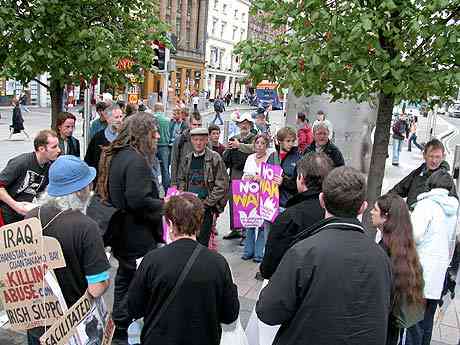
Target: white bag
233, 334
260, 333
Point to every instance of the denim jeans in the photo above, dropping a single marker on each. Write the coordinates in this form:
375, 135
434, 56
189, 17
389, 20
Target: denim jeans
163, 154
420, 333
255, 247
397, 145
217, 117
413, 139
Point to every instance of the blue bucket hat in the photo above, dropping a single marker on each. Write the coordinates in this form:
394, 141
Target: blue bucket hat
69, 174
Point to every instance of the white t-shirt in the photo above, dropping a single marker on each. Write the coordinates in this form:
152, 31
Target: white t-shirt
196, 100
250, 167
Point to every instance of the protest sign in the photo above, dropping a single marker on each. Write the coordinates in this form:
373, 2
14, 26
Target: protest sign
25, 257
87, 322
246, 204
269, 192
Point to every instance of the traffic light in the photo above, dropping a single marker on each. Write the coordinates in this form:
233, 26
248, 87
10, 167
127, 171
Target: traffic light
160, 55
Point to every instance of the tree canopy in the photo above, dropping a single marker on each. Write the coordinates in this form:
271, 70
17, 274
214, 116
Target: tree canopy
357, 48
76, 39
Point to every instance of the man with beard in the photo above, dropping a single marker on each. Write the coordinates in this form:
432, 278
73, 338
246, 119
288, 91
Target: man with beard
126, 181
26, 176
62, 215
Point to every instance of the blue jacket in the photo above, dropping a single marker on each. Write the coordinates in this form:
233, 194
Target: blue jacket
288, 187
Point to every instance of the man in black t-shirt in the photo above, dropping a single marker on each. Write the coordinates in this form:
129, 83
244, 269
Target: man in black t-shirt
25, 176
62, 214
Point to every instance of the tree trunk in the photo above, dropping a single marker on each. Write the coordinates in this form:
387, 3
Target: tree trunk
56, 92
379, 151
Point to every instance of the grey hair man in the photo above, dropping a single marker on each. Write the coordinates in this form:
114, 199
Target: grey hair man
322, 143
62, 214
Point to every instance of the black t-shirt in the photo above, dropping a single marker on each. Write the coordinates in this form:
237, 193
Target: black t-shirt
23, 178
81, 245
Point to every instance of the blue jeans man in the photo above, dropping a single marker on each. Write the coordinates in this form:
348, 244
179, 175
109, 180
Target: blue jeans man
397, 145
163, 154
254, 248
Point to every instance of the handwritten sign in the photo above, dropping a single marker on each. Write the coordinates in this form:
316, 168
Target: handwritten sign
25, 257
86, 322
269, 192
246, 204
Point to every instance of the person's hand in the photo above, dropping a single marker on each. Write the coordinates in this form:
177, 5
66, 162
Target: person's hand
234, 144
278, 180
22, 207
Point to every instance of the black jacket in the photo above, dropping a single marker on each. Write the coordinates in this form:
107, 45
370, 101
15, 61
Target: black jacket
235, 159
18, 121
333, 287
414, 184
73, 146
93, 153
288, 187
138, 228
303, 210
332, 152
207, 298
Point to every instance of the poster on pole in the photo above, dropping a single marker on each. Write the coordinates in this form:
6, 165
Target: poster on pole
25, 257
246, 204
87, 322
269, 192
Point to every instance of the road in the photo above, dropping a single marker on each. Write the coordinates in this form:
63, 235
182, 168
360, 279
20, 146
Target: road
454, 139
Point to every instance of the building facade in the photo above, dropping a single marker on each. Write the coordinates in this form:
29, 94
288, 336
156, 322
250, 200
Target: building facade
261, 29
227, 25
187, 19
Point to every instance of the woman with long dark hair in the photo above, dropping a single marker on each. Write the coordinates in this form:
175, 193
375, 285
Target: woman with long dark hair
391, 217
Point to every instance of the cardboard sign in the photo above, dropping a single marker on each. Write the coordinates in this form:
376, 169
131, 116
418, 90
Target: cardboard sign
269, 192
246, 204
86, 322
25, 257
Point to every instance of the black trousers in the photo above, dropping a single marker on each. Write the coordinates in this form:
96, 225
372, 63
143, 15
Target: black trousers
206, 227
125, 274
420, 334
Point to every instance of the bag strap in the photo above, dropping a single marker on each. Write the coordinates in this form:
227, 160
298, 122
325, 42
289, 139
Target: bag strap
179, 282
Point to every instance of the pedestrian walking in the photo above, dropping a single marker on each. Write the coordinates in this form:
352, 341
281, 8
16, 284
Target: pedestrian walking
183, 291
26, 176
304, 132
399, 134
434, 220
17, 125
239, 147
163, 151
103, 138
62, 215
322, 143
413, 135
414, 184
195, 101
254, 243
23, 102
65, 125
391, 217
323, 289
183, 146
302, 210
219, 108
203, 173
126, 182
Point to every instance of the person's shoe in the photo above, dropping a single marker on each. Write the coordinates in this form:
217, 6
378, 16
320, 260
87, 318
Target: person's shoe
257, 260
233, 234
395, 164
246, 257
259, 276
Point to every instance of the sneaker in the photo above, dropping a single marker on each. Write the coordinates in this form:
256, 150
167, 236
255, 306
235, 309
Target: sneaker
233, 234
259, 276
246, 257
395, 164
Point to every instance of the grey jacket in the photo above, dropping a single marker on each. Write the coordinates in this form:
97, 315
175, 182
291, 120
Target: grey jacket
181, 148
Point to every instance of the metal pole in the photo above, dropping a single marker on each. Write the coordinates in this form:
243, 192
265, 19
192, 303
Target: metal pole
435, 117
86, 116
166, 80
226, 129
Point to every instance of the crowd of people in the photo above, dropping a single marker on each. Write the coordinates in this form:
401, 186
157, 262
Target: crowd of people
328, 278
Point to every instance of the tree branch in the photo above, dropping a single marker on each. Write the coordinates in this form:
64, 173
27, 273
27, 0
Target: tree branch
41, 83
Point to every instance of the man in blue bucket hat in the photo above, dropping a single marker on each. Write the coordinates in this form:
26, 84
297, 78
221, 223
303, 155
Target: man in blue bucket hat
62, 215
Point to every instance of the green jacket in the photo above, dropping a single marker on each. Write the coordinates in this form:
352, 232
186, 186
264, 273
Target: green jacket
163, 127
215, 177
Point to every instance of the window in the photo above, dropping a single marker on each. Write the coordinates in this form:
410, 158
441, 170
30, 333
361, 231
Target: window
243, 17
242, 34
236, 13
224, 8
224, 25
216, 4
221, 57
214, 26
234, 33
213, 57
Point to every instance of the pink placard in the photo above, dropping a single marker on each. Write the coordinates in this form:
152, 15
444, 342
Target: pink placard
246, 204
269, 192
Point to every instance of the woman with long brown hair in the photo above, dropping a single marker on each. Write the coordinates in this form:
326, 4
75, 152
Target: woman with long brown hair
391, 217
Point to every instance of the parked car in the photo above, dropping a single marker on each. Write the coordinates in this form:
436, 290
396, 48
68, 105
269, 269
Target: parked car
454, 110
